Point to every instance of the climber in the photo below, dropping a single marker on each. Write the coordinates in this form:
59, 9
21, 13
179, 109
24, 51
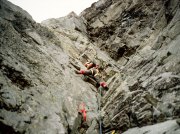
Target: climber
93, 73
83, 111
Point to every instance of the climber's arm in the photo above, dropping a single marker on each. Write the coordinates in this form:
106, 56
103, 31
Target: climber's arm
89, 65
84, 72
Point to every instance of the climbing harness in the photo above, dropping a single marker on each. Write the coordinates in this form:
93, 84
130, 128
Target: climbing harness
99, 105
83, 111
94, 72
97, 73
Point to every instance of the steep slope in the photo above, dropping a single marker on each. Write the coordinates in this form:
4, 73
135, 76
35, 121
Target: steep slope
39, 92
143, 37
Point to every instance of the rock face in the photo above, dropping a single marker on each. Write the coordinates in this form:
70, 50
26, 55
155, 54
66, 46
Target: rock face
40, 93
120, 27
71, 21
168, 127
143, 37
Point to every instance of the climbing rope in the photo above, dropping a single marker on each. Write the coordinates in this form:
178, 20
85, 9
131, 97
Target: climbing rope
99, 105
113, 132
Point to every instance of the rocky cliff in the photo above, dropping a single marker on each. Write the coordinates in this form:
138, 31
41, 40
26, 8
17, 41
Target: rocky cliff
135, 42
143, 37
39, 92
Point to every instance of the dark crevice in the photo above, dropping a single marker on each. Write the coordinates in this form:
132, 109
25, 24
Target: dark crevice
5, 129
109, 129
17, 23
122, 50
68, 130
135, 13
104, 32
11, 108
1, 85
67, 125
15, 76
168, 17
77, 29
134, 87
168, 14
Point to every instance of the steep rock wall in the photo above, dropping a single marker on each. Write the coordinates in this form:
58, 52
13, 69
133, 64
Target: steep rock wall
39, 92
143, 37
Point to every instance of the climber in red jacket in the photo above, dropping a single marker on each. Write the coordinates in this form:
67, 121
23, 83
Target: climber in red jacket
93, 71
82, 111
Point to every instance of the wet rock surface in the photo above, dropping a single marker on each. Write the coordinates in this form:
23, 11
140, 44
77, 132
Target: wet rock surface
40, 93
